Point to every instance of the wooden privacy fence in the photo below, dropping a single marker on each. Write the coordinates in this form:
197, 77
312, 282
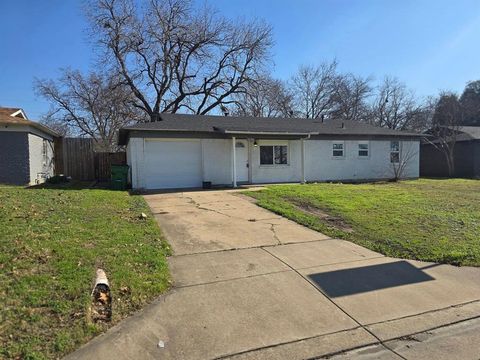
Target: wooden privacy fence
104, 161
77, 158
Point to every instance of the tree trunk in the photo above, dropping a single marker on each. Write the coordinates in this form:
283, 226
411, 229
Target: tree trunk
451, 164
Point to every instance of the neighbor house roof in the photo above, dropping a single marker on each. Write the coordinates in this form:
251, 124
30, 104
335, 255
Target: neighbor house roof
11, 114
463, 133
469, 133
243, 125
16, 116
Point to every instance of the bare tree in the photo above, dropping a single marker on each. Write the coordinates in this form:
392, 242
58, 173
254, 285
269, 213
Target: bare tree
94, 105
314, 88
406, 154
56, 125
394, 107
422, 119
447, 121
350, 97
174, 56
265, 97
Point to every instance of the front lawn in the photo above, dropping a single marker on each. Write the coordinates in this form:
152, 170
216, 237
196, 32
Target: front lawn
51, 242
431, 220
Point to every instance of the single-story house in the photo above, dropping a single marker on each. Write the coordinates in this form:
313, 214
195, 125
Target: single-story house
26, 149
186, 151
466, 152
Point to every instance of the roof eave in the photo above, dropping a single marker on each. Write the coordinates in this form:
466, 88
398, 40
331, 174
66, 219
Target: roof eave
34, 125
46, 129
124, 133
284, 133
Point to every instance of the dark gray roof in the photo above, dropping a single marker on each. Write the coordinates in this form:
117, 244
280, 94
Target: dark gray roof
230, 125
469, 133
463, 133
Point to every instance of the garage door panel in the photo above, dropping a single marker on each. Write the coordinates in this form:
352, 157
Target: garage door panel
172, 164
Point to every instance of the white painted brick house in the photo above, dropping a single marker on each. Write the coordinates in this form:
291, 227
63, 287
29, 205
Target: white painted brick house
184, 151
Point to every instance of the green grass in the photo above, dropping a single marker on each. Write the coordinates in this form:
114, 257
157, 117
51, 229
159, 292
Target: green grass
51, 242
430, 220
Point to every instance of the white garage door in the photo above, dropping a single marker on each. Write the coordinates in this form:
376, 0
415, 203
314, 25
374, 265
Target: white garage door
172, 164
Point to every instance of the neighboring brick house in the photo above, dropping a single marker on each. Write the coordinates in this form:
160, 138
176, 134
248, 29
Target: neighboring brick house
26, 149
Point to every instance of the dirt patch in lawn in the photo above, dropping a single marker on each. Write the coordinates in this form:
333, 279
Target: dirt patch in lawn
333, 221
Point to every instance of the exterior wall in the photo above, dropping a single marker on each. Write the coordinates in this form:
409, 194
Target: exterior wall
411, 151
320, 165
432, 162
14, 162
136, 160
466, 156
464, 159
277, 173
41, 165
476, 161
129, 160
21, 155
217, 161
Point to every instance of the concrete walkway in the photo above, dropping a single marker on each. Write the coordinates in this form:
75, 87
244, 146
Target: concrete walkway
252, 285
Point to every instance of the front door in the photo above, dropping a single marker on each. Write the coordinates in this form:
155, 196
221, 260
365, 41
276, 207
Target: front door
241, 157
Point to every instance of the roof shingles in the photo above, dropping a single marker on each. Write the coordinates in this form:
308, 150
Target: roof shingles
7, 119
285, 126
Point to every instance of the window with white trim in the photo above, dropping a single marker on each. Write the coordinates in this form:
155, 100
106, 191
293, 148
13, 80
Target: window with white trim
273, 155
338, 149
394, 152
363, 149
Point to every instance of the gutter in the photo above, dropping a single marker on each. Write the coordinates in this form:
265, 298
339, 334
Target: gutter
270, 133
33, 124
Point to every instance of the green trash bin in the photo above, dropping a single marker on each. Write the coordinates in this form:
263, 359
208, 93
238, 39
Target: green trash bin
119, 177
118, 185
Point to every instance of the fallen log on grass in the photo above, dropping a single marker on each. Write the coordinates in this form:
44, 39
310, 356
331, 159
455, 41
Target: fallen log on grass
102, 299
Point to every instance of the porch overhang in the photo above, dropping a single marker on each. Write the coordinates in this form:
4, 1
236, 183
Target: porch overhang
257, 133
235, 134
261, 133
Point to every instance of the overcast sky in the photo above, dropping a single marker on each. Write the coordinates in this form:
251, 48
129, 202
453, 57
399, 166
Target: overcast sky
430, 45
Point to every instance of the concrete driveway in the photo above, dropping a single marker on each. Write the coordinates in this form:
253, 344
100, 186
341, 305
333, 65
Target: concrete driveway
252, 285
